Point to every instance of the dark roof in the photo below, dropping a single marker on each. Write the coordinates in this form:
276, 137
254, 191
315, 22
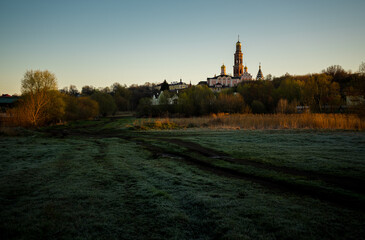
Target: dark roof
224, 76
259, 74
8, 100
177, 83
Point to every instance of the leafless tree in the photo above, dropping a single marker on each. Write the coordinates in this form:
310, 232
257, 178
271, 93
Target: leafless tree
39, 96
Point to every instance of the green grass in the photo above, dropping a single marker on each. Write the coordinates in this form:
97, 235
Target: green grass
90, 187
337, 152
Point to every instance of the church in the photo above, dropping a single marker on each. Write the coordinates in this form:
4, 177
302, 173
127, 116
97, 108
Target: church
240, 73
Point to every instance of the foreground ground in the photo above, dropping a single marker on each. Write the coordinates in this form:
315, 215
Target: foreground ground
100, 180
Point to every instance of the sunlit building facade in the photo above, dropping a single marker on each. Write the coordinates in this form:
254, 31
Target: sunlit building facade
240, 73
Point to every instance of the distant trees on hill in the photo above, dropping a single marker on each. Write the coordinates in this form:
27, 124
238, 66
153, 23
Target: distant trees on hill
41, 103
321, 92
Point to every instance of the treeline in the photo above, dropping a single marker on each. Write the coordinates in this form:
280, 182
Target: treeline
321, 93
41, 102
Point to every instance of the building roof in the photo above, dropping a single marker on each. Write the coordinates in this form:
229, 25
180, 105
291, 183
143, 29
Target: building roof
216, 77
8, 100
259, 74
177, 83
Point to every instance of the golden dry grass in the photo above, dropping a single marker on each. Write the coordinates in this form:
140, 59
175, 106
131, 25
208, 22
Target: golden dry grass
264, 121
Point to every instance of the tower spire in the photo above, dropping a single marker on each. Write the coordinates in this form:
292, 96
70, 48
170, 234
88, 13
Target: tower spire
238, 60
260, 75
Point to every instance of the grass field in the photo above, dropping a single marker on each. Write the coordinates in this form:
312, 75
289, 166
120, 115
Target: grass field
101, 180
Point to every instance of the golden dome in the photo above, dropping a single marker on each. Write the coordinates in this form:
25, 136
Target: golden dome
223, 66
238, 43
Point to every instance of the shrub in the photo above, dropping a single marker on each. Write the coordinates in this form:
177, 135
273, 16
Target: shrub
82, 108
106, 103
258, 107
284, 107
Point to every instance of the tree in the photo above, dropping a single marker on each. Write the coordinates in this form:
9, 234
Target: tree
145, 108
122, 96
337, 73
261, 91
284, 107
196, 101
289, 89
72, 90
258, 107
106, 103
230, 103
41, 102
80, 108
87, 90
137, 93
319, 91
362, 69
38, 81
268, 77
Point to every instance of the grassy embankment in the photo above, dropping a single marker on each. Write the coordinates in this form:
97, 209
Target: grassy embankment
101, 180
259, 121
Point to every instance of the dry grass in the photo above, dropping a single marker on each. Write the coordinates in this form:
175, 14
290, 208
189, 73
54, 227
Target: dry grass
159, 124
265, 121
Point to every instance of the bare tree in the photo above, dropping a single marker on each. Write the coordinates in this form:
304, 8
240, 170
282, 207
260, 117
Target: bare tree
72, 90
87, 90
362, 68
38, 91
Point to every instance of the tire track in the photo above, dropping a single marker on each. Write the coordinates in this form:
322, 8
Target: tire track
344, 182
323, 194
320, 193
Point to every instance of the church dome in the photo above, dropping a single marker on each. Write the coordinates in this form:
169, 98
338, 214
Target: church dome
223, 70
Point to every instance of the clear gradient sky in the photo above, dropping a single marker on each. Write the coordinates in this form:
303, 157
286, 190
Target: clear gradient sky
98, 43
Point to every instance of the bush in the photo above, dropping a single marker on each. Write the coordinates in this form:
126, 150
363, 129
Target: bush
34, 110
258, 107
106, 103
230, 103
82, 108
285, 107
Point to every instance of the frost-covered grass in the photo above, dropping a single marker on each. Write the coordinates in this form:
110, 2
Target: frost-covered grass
89, 187
338, 152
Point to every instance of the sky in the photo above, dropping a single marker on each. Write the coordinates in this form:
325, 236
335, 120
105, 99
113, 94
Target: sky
99, 43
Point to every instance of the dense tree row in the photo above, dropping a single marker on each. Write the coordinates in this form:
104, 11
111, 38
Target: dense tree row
41, 103
324, 92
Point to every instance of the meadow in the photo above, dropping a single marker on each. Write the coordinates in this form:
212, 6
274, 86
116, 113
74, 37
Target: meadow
106, 180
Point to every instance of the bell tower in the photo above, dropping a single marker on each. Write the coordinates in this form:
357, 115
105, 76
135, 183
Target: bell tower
238, 60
